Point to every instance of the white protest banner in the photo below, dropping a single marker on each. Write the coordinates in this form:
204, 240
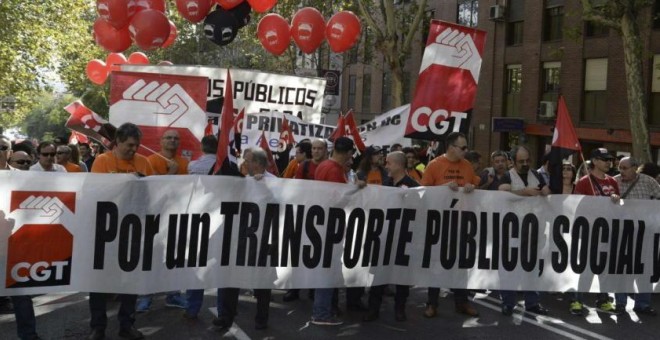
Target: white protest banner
383, 131
254, 90
72, 232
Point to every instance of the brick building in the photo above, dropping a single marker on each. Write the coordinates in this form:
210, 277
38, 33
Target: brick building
535, 49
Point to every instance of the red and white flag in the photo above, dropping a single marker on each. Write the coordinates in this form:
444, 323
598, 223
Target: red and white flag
208, 130
226, 135
77, 138
447, 83
272, 166
286, 136
353, 131
340, 130
565, 142
238, 130
89, 123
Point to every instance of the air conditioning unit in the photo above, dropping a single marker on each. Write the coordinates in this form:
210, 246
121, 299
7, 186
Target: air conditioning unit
496, 12
547, 110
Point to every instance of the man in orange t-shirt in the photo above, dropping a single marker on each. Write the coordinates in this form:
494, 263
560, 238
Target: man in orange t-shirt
122, 159
167, 162
452, 170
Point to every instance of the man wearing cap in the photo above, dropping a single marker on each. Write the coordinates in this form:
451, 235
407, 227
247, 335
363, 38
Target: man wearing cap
452, 170
371, 167
635, 186
597, 183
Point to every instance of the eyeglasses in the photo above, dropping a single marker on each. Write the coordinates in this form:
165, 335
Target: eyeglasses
22, 161
48, 154
523, 161
463, 148
4, 147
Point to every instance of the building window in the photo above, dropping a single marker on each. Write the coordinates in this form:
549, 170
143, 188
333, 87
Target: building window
352, 80
551, 78
514, 33
654, 101
595, 90
593, 29
553, 23
386, 99
366, 93
513, 87
468, 13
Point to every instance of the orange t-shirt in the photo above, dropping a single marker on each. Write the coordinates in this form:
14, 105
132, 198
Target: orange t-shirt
442, 171
107, 163
291, 169
159, 164
70, 167
375, 176
415, 174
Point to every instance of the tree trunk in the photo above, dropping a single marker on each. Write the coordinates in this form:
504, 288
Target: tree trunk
390, 52
632, 50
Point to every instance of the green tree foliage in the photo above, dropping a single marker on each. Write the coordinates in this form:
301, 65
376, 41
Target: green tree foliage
47, 117
41, 43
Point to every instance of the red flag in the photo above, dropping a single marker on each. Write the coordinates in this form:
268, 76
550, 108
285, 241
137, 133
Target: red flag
208, 130
286, 136
564, 135
340, 130
77, 138
564, 143
89, 123
272, 166
349, 120
227, 122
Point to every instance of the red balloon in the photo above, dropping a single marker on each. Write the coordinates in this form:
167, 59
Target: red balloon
96, 71
193, 10
308, 29
141, 5
274, 33
110, 38
165, 63
149, 29
117, 13
343, 31
228, 4
173, 34
113, 60
262, 6
138, 58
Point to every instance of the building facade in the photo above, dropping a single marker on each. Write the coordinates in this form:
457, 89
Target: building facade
535, 50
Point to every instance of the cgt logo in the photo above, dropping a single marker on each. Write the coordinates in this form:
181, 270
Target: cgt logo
40, 254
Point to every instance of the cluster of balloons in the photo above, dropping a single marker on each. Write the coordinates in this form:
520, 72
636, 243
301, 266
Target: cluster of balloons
122, 22
308, 29
221, 25
98, 70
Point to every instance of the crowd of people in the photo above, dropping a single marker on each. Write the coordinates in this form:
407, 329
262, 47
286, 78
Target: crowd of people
457, 168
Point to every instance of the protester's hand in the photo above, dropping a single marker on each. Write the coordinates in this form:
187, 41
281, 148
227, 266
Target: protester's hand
453, 186
468, 188
531, 191
454, 49
259, 177
545, 191
172, 167
360, 183
615, 198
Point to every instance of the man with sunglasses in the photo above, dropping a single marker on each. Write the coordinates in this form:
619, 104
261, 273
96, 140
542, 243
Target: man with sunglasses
454, 171
5, 153
47, 153
20, 160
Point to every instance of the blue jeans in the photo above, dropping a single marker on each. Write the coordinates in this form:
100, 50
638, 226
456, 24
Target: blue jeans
196, 298
26, 323
322, 308
642, 300
509, 298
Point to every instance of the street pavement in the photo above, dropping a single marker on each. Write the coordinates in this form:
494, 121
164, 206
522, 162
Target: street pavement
66, 316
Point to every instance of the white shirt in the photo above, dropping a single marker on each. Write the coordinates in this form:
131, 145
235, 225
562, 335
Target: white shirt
202, 165
56, 167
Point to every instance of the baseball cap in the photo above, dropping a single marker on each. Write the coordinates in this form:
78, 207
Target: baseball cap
372, 150
601, 153
344, 144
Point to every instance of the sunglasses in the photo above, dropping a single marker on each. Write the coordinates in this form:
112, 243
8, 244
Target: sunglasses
4, 147
22, 161
48, 154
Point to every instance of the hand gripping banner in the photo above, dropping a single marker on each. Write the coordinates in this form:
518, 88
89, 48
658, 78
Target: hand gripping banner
447, 83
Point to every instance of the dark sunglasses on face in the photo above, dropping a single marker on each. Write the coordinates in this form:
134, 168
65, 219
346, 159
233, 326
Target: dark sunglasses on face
48, 154
4, 147
22, 161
